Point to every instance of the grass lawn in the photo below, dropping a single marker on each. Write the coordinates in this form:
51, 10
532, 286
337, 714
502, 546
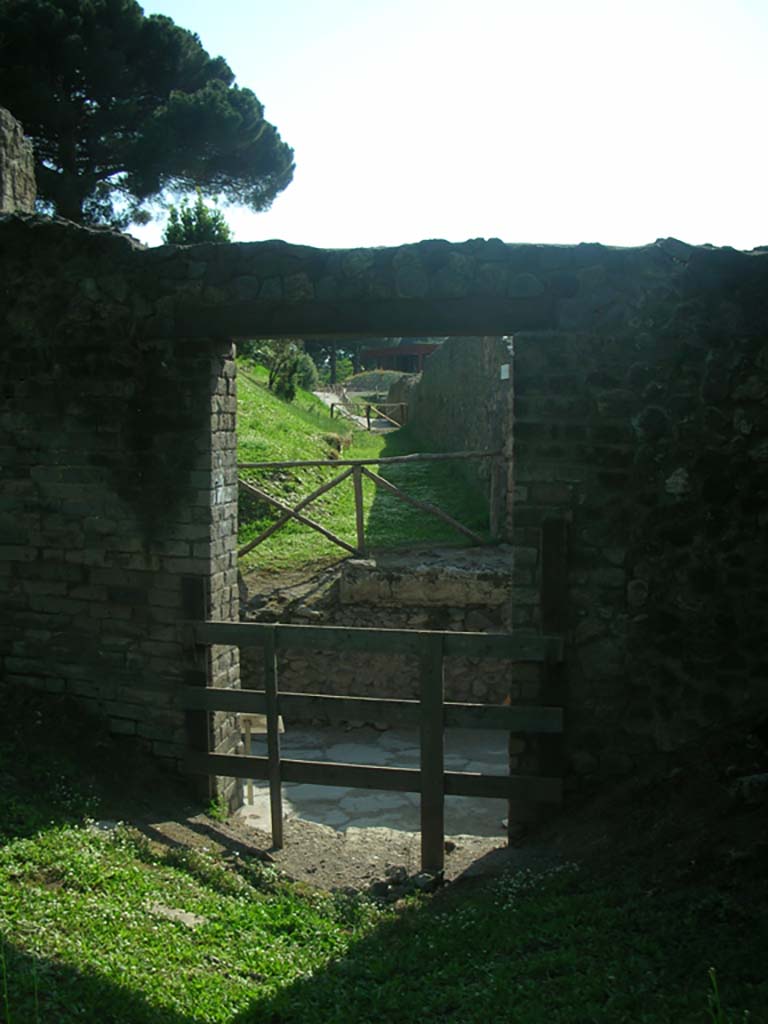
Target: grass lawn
97, 926
270, 429
102, 925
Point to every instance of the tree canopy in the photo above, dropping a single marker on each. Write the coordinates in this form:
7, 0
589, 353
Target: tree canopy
199, 223
122, 108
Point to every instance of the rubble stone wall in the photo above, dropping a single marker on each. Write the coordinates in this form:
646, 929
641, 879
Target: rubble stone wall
650, 440
463, 402
655, 451
640, 404
17, 173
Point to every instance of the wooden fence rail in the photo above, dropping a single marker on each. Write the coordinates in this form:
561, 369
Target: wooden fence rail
431, 714
373, 409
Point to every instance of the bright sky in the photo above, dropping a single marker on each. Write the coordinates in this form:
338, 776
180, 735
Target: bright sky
616, 121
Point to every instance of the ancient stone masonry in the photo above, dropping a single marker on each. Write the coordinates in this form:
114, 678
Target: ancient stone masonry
464, 401
118, 464
640, 410
652, 445
656, 451
17, 174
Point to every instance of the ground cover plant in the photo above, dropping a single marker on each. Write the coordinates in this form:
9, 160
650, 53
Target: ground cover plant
273, 430
99, 923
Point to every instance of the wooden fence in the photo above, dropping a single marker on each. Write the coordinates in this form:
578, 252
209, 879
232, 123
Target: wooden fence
357, 469
431, 714
370, 411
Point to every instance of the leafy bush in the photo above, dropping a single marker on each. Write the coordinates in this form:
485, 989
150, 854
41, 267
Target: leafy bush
307, 376
282, 359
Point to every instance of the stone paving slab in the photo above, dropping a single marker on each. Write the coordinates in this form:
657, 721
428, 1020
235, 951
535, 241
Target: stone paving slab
343, 808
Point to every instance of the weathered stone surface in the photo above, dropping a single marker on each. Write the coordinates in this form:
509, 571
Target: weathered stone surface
17, 173
367, 603
643, 426
464, 403
424, 583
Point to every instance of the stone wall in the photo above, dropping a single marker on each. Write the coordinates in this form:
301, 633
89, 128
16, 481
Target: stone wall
640, 420
649, 440
455, 590
17, 173
118, 467
463, 402
655, 451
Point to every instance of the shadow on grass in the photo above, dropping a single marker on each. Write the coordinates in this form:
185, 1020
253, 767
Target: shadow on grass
36, 990
564, 949
451, 486
58, 765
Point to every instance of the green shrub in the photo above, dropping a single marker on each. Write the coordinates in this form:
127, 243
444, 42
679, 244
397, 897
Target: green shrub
307, 376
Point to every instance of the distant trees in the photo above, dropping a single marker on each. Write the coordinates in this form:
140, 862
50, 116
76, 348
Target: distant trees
199, 223
335, 361
122, 109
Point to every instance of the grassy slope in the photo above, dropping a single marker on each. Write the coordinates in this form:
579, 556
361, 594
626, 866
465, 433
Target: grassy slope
272, 430
87, 929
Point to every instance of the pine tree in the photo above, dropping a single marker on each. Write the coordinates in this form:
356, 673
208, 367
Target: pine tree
122, 109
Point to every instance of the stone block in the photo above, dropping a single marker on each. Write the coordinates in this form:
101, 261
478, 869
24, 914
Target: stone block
393, 583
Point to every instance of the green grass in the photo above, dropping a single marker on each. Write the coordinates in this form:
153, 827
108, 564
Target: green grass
98, 916
559, 947
104, 925
88, 933
273, 430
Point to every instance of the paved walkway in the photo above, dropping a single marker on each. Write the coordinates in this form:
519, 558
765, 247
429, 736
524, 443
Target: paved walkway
471, 750
378, 426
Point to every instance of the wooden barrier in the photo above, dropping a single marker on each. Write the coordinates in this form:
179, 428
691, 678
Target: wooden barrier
430, 713
356, 468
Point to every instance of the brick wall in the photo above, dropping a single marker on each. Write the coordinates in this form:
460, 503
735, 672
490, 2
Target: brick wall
119, 483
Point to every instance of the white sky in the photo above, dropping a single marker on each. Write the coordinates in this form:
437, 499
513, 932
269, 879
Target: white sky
616, 121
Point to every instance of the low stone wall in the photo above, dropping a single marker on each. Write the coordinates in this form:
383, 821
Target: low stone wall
458, 591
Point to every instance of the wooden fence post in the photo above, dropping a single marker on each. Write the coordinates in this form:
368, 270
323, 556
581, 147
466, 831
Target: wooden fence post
357, 480
273, 739
432, 763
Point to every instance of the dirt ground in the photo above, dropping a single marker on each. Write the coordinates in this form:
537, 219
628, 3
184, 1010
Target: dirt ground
355, 859
702, 811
